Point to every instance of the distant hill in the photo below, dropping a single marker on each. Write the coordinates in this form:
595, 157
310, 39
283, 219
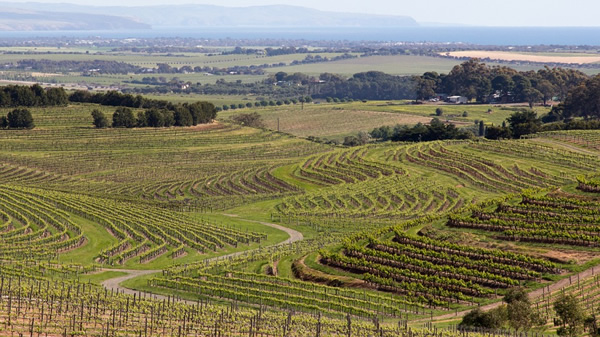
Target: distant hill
201, 16
15, 19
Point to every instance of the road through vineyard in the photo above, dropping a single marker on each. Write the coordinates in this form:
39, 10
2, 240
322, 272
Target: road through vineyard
115, 283
551, 288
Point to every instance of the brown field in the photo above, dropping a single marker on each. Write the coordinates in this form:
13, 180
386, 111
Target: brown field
508, 56
334, 122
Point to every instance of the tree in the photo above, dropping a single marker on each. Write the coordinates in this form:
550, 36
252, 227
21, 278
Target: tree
481, 129
570, 314
426, 85
493, 319
383, 133
363, 137
183, 117
351, 141
154, 118
532, 96
56, 96
584, 100
520, 313
253, 119
123, 118
20, 119
469, 79
497, 132
3, 122
100, 120
547, 89
503, 83
439, 112
523, 123
591, 325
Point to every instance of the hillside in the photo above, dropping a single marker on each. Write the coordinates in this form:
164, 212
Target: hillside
203, 16
15, 19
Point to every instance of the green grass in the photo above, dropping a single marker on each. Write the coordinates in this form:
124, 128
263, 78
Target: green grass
97, 239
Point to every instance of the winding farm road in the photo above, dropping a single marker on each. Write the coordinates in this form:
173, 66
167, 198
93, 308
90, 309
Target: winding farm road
532, 295
115, 283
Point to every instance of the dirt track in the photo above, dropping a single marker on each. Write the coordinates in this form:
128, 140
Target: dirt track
115, 283
532, 295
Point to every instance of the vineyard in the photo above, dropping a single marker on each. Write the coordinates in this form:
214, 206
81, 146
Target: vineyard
432, 272
244, 231
553, 218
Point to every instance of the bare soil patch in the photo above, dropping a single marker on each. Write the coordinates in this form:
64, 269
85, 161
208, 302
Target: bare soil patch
508, 56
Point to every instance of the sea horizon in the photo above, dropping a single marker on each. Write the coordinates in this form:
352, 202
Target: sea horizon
506, 36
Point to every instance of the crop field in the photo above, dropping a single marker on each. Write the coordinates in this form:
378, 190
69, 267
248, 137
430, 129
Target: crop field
226, 230
395, 65
572, 58
180, 59
349, 118
316, 119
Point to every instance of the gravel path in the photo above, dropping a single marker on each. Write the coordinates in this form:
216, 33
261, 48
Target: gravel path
115, 283
566, 145
532, 295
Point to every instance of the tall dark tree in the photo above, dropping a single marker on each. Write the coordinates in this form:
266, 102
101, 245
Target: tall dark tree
469, 79
523, 123
99, 118
183, 117
20, 119
584, 100
124, 118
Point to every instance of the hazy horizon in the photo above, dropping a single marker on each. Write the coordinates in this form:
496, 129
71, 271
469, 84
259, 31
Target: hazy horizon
511, 13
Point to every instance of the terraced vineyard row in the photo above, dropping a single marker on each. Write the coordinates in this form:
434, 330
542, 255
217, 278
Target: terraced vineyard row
552, 218
433, 272
44, 307
589, 139
587, 292
37, 223
223, 279
549, 155
32, 228
385, 198
479, 172
589, 184
343, 167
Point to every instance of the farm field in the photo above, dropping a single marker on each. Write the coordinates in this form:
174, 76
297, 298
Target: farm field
395, 65
569, 58
350, 118
150, 60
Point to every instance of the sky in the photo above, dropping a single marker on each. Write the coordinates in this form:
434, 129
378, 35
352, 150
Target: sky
465, 12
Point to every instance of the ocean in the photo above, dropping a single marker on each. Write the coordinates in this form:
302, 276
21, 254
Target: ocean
505, 36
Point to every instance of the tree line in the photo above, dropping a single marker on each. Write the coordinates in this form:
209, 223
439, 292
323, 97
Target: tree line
157, 113
436, 130
476, 80
17, 119
98, 66
31, 96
